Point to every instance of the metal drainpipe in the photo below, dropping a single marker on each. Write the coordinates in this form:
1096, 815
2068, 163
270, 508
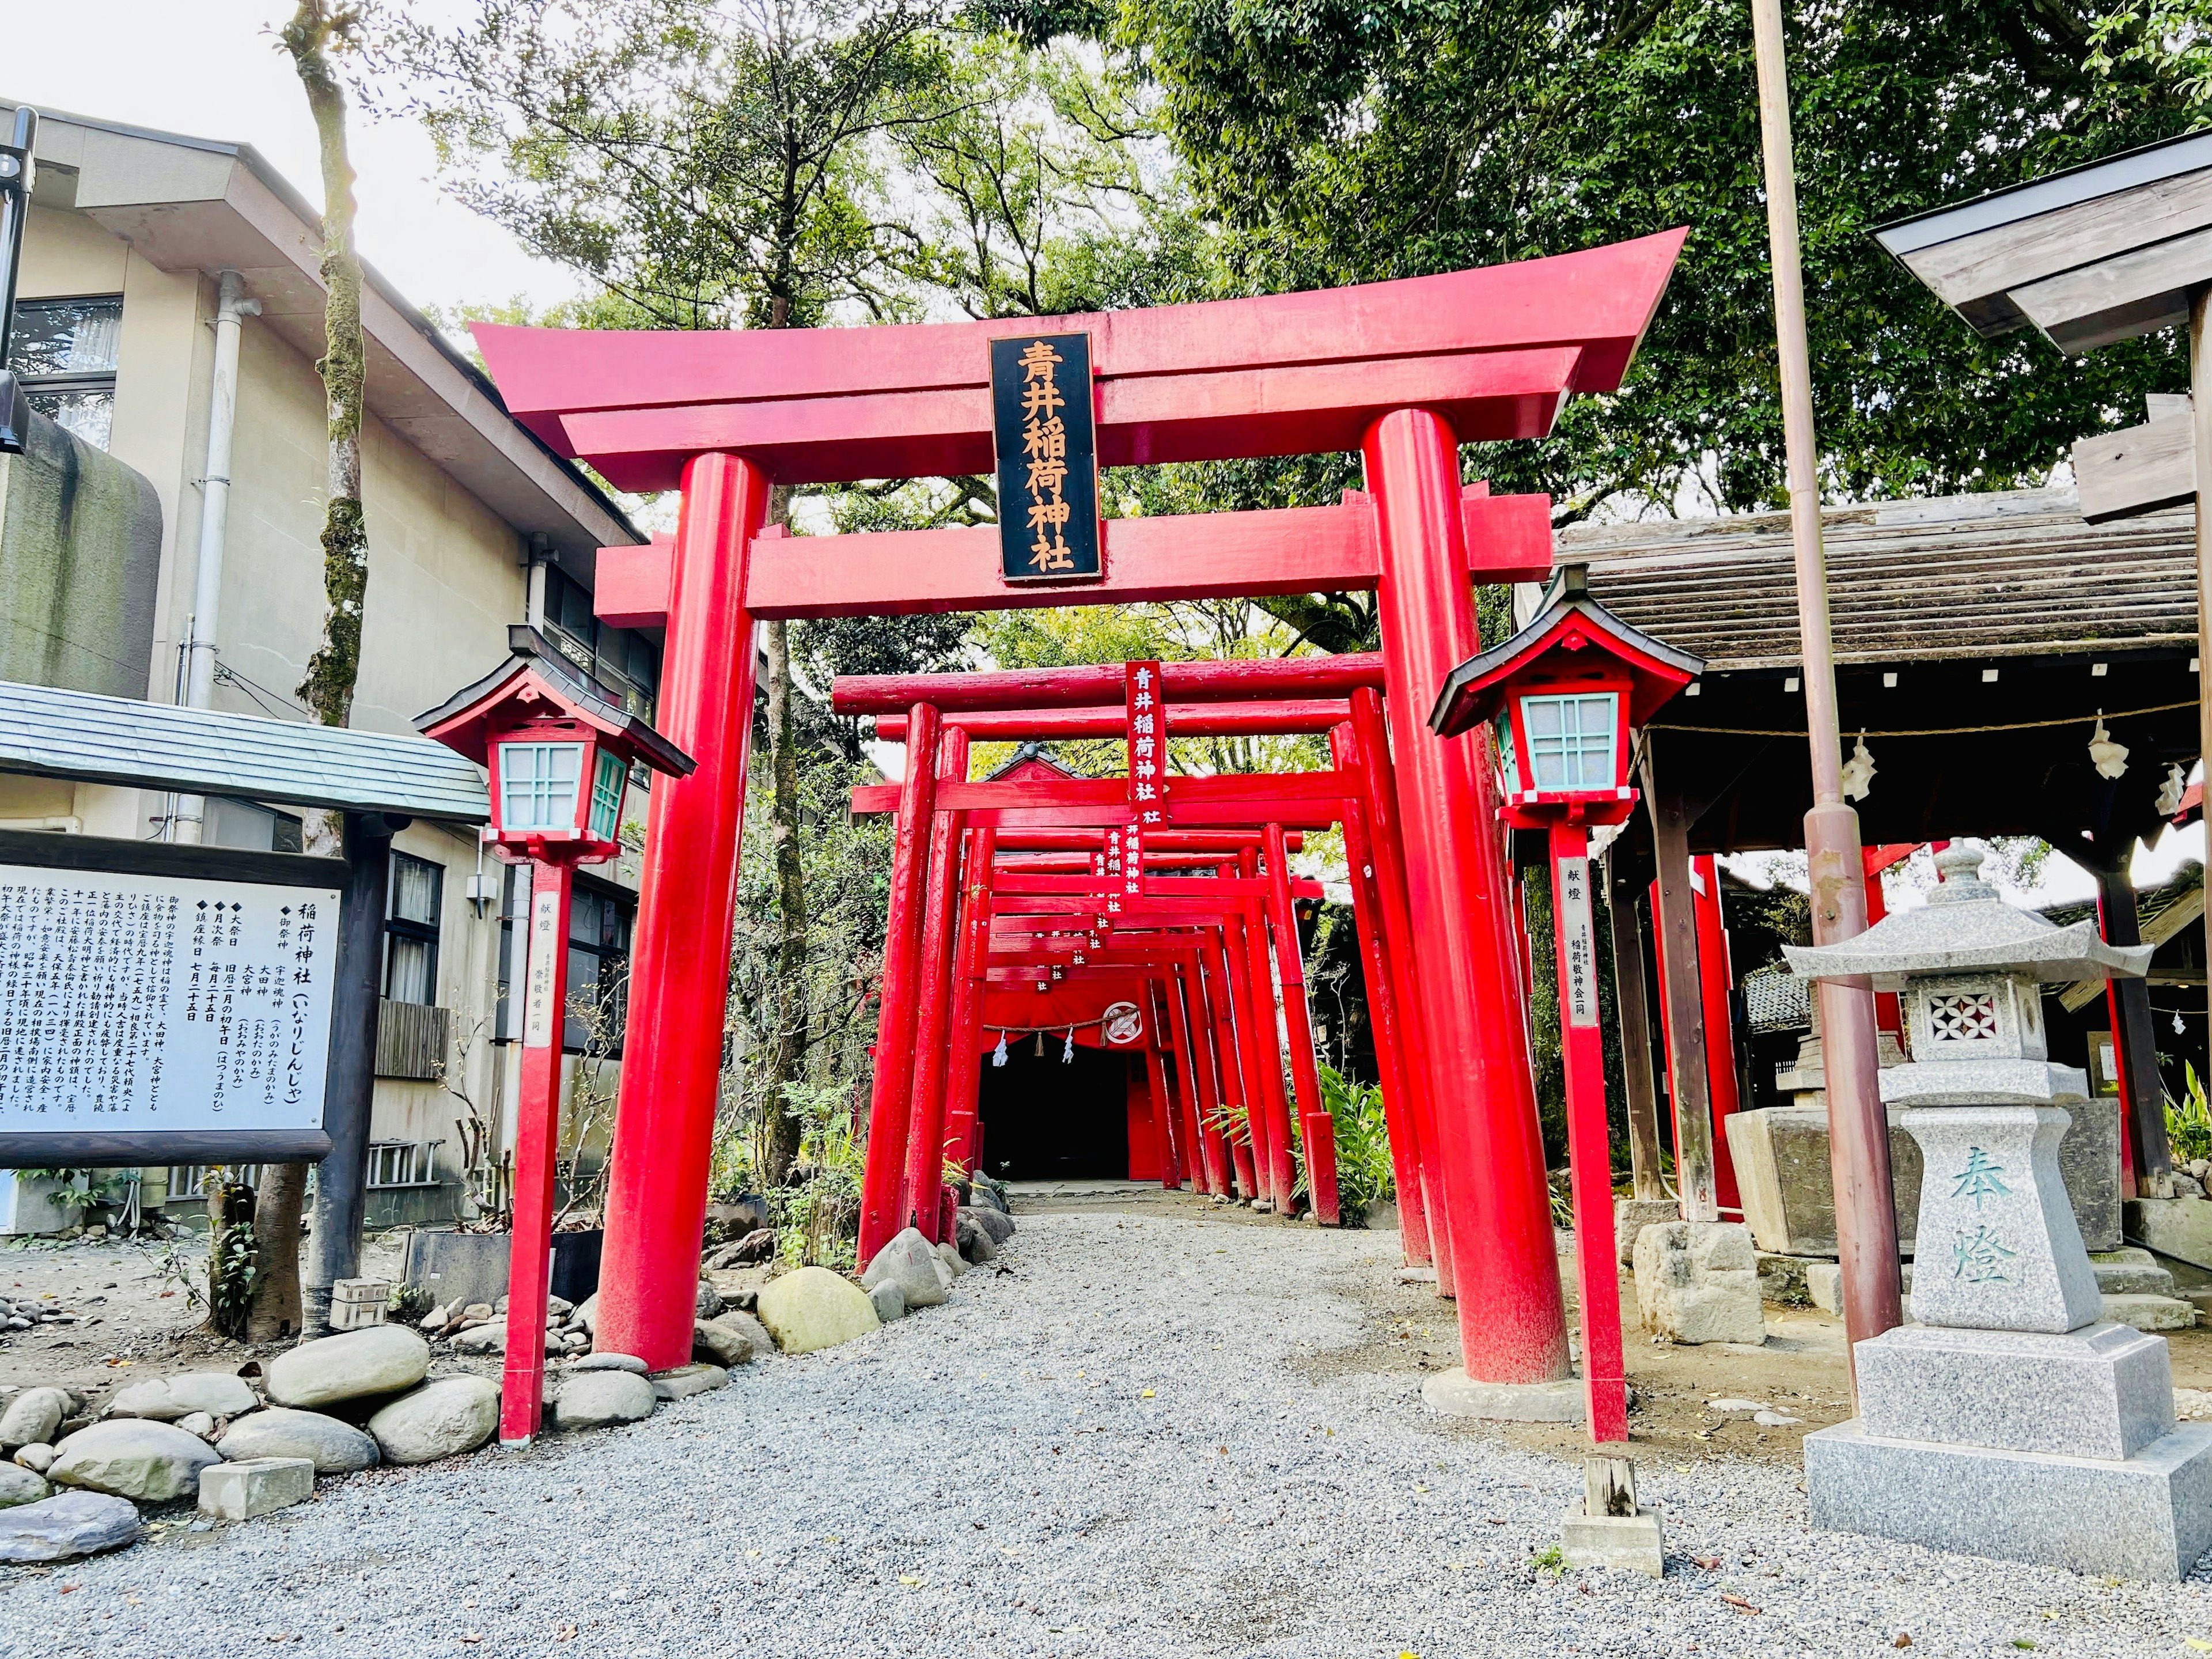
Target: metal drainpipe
187, 821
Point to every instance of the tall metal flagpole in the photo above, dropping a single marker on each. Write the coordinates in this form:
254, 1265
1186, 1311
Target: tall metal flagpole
1858, 1129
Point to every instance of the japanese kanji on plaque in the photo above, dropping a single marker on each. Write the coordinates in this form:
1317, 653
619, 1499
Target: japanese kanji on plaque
1045, 432
150, 1004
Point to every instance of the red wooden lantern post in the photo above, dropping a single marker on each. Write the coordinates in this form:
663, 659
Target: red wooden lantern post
560, 751
1572, 684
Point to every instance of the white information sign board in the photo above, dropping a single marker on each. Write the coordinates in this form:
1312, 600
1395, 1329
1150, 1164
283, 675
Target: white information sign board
157, 1004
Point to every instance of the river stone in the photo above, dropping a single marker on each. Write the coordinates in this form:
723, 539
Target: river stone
132, 1457
597, 1400
32, 1416
612, 1362
444, 1418
166, 1399
889, 1300
997, 1223
974, 1242
334, 1448
909, 1261
720, 1345
69, 1524
949, 1257
19, 1485
758, 1343
353, 1365
814, 1308
38, 1457
684, 1380
706, 1301
489, 1338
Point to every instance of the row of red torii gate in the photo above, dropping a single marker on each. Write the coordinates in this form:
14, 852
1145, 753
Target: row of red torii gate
985, 898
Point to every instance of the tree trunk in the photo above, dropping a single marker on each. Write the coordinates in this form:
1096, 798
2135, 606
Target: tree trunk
787, 1048
317, 28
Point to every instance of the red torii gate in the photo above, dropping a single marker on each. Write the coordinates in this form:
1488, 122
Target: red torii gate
1375, 859
1404, 372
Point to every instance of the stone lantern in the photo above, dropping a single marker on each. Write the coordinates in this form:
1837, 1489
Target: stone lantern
2009, 1422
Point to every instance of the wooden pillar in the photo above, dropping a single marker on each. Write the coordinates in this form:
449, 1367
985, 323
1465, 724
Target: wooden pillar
965, 1064
924, 1177
671, 1080
2134, 1043
1675, 922
1713, 980
1207, 1169
1164, 1108
349, 1078
1622, 902
891, 1096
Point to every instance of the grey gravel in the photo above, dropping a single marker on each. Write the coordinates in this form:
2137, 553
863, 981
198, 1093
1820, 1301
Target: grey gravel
1001, 1454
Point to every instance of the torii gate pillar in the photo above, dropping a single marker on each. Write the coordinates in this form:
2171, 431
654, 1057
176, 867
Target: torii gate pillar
1512, 1319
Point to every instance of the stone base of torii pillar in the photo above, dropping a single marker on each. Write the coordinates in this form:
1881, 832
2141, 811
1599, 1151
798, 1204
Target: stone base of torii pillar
2009, 1422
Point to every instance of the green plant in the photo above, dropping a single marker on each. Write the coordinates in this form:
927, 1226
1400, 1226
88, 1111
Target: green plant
1364, 1174
818, 1216
231, 1278
408, 1302
1551, 1558
2189, 1120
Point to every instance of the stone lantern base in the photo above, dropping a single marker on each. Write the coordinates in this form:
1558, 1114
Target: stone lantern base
2055, 1449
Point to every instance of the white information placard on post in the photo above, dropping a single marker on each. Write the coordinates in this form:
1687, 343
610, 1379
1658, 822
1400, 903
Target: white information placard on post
141, 1003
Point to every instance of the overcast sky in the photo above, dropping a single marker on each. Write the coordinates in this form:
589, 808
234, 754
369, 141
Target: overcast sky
213, 69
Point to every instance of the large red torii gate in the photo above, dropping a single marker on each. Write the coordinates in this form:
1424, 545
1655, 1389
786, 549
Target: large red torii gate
1404, 372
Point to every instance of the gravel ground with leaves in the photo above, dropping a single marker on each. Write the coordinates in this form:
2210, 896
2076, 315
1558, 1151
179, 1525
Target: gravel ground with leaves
1112, 1450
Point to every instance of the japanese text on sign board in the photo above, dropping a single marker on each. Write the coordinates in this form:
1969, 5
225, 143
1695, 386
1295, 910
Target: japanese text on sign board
1045, 433
1147, 714
156, 1003
1578, 944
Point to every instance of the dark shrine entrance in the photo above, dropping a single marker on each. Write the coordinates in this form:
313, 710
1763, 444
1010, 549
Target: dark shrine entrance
1046, 1121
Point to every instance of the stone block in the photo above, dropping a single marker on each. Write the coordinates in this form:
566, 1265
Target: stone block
2105, 1391
458, 1268
1782, 1176
1698, 1281
1824, 1283
2178, 1227
1454, 1394
2150, 1313
258, 1485
1630, 1216
2130, 1272
2149, 1517
1623, 1543
2002, 1250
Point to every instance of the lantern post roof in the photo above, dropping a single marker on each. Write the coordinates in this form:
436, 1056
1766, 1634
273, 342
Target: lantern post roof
537, 680
1568, 620
1967, 927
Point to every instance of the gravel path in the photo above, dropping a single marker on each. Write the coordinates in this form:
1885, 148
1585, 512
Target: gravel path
1111, 1451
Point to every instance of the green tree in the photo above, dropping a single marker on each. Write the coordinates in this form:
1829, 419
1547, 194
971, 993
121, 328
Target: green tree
1347, 140
710, 163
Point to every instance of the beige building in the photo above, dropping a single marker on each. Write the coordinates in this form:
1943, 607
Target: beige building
472, 524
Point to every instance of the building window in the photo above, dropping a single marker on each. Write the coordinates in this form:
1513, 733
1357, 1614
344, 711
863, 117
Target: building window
257, 829
607, 795
410, 929
599, 972
1570, 740
623, 661
64, 352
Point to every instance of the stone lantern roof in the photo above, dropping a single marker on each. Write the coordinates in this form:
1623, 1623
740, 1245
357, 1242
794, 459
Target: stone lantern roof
1965, 928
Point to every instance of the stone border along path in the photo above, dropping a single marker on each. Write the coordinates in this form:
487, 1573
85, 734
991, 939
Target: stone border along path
993, 1477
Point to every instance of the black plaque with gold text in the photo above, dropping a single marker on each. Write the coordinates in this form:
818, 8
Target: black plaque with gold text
1045, 430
